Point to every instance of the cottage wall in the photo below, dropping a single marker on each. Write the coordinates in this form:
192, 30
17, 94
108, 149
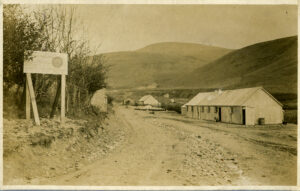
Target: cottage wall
232, 115
195, 112
203, 113
237, 115
189, 112
250, 116
199, 110
207, 114
184, 110
225, 114
265, 107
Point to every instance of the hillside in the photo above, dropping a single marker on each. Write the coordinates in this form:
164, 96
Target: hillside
272, 64
201, 52
158, 65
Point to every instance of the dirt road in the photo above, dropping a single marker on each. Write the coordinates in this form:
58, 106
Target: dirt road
163, 149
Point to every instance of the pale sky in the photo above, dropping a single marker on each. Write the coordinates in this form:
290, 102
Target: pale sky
129, 27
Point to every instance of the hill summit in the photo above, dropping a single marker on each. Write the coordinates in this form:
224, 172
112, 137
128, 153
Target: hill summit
271, 64
160, 64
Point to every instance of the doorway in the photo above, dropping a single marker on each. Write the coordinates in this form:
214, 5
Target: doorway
220, 118
244, 116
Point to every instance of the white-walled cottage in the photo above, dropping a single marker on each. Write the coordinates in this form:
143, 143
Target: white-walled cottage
149, 100
248, 106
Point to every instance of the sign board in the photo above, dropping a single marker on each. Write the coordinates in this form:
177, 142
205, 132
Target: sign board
47, 63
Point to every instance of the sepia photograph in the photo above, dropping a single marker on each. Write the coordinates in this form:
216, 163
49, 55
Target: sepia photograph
150, 94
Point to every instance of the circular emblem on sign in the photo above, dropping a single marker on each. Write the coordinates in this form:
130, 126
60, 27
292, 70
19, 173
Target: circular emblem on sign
57, 62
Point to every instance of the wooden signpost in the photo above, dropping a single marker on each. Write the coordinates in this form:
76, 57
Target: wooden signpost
45, 63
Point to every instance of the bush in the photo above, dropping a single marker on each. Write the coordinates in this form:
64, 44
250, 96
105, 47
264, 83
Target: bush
290, 116
109, 99
41, 139
172, 107
23, 31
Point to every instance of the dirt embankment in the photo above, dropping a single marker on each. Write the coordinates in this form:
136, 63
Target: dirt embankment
33, 153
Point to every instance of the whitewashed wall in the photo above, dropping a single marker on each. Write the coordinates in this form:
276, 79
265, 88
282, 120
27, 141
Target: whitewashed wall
265, 107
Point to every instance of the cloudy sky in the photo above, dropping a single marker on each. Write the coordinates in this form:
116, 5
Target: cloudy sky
129, 27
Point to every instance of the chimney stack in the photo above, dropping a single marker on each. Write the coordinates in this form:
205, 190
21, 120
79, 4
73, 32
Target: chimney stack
220, 91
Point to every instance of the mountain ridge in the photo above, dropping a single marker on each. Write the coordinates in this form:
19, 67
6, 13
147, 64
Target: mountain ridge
271, 64
143, 67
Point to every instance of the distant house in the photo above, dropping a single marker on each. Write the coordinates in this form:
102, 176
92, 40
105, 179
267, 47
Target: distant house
149, 100
99, 100
248, 106
128, 101
166, 95
184, 109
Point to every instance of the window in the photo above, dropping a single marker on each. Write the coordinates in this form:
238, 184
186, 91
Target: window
192, 108
231, 109
208, 109
216, 109
202, 109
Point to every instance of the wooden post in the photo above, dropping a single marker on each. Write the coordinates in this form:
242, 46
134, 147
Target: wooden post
67, 101
33, 101
27, 101
63, 99
55, 103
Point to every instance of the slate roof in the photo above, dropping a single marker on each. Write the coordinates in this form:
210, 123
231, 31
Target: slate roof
145, 97
236, 97
195, 100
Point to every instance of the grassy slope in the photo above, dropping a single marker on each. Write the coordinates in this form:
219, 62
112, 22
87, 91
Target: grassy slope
160, 63
272, 64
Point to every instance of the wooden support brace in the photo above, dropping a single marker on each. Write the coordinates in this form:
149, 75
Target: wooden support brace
63, 99
27, 101
33, 101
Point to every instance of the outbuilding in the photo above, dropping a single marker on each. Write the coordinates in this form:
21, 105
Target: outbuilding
149, 100
128, 101
248, 106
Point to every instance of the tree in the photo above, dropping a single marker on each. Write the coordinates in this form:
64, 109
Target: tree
51, 28
21, 36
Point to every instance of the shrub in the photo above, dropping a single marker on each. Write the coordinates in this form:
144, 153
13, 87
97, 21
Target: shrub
24, 32
290, 116
172, 107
